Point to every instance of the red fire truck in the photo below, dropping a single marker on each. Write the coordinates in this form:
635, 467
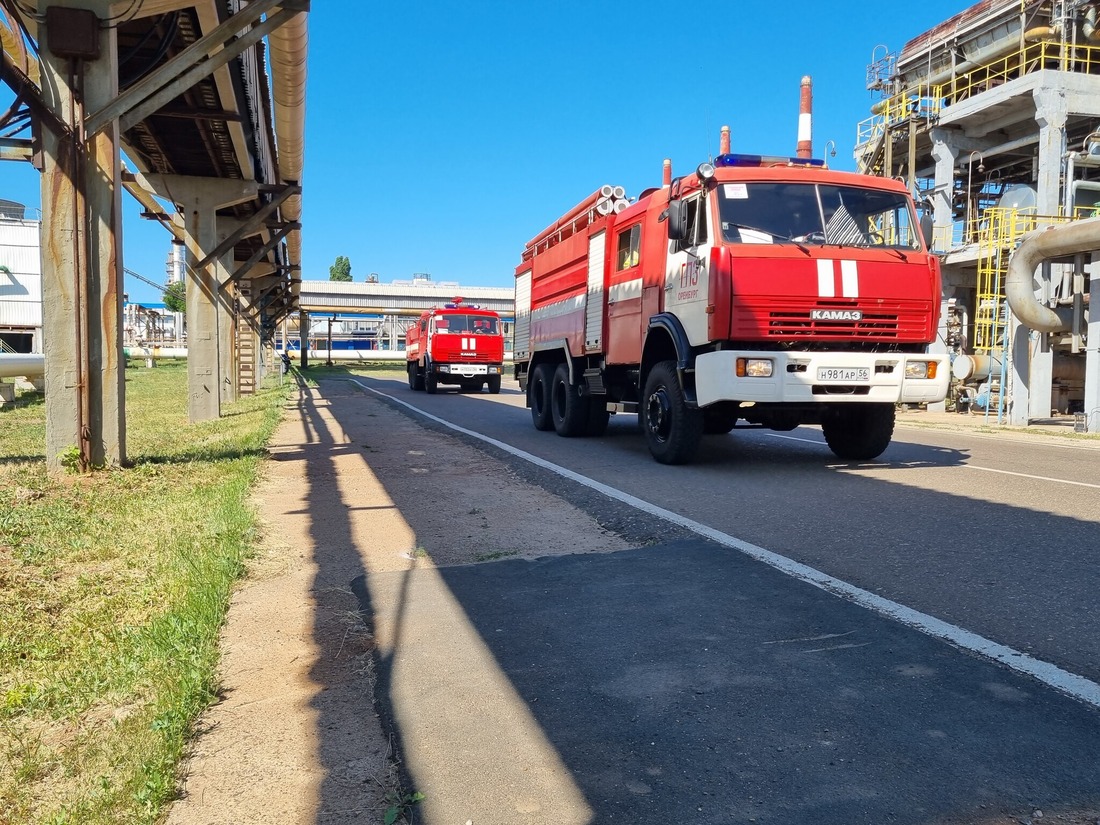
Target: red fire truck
768, 290
457, 343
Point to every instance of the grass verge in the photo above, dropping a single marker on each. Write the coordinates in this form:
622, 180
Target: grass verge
113, 589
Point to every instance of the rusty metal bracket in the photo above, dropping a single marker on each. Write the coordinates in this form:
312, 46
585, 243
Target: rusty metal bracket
276, 239
251, 226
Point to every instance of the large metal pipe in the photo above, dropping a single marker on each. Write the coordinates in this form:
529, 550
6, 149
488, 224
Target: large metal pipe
22, 365
978, 367
289, 46
1036, 247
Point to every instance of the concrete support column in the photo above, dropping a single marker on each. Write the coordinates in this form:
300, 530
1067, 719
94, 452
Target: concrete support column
1032, 356
303, 337
1092, 353
1051, 113
82, 254
200, 199
945, 150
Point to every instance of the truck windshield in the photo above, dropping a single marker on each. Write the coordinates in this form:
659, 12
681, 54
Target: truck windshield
463, 324
807, 213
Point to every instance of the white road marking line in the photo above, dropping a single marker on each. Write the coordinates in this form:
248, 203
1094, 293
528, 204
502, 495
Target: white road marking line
792, 438
1037, 478
971, 466
1062, 680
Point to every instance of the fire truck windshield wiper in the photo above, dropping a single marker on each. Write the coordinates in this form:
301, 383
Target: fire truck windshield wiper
770, 236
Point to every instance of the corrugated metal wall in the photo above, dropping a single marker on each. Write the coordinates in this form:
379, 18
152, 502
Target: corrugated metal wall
21, 278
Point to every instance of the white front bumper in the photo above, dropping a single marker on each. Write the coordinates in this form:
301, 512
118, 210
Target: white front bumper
469, 370
794, 378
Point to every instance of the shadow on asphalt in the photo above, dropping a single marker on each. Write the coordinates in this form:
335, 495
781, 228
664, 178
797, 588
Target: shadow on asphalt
685, 682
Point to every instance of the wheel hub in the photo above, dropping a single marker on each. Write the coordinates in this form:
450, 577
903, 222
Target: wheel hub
658, 418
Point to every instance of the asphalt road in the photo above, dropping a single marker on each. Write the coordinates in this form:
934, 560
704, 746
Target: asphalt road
826, 711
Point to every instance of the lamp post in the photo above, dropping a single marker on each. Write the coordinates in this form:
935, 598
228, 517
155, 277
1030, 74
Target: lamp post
967, 230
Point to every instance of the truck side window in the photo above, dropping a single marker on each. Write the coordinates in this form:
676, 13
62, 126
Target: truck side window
630, 242
697, 225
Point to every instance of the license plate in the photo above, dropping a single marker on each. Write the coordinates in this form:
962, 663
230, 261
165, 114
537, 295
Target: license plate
843, 375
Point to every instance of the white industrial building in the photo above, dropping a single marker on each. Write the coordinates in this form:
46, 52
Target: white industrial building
20, 280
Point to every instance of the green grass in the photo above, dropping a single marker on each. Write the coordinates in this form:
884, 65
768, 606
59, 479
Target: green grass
113, 589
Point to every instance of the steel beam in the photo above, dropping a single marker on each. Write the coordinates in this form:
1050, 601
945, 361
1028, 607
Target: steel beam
199, 60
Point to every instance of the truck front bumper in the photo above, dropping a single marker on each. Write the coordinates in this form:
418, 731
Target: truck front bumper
468, 370
820, 377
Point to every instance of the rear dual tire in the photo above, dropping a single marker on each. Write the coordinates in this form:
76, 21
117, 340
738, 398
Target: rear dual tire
416, 377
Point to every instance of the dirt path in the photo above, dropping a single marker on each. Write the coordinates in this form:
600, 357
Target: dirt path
295, 738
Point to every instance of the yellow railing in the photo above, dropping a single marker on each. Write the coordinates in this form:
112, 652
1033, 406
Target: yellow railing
1053, 55
998, 235
926, 101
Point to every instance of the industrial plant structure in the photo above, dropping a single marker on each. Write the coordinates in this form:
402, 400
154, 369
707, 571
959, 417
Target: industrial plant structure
993, 119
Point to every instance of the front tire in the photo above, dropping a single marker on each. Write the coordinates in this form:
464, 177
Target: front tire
858, 432
538, 396
568, 407
430, 382
494, 384
672, 428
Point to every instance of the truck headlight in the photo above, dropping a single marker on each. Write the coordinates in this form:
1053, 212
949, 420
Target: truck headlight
754, 367
444, 367
920, 369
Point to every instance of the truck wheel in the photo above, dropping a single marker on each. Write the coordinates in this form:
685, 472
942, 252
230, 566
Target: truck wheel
716, 422
494, 384
430, 382
568, 407
598, 416
538, 396
672, 428
858, 432
416, 378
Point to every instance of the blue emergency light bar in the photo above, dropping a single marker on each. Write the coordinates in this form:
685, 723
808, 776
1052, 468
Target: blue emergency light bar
765, 160
462, 306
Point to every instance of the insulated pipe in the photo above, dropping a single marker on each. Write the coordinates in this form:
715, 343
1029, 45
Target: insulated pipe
1036, 247
723, 144
979, 367
966, 367
12, 42
289, 46
1088, 25
666, 170
19, 364
805, 119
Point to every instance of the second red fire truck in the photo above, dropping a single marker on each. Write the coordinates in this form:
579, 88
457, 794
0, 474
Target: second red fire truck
457, 343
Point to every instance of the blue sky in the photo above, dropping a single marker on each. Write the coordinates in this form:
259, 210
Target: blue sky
441, 137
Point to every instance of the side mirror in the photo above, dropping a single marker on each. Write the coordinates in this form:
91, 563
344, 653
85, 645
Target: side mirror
926, 228
677, 221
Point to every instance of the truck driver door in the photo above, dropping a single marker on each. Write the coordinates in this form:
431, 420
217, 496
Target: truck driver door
686, 276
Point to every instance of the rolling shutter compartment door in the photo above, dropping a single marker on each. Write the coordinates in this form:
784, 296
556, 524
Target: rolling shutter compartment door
521, 346
593, 309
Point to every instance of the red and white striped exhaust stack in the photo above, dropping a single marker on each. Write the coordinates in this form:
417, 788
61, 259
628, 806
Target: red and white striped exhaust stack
805, 119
